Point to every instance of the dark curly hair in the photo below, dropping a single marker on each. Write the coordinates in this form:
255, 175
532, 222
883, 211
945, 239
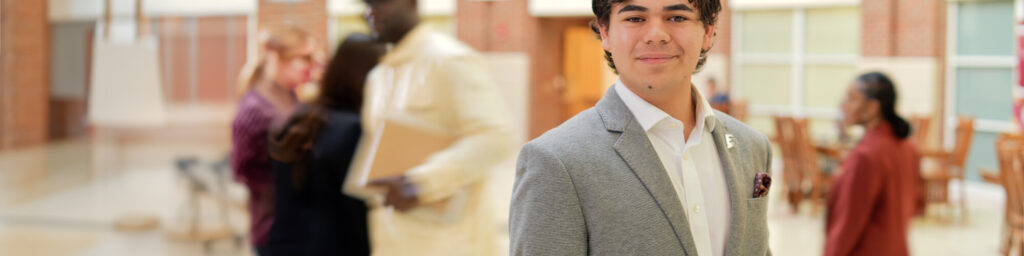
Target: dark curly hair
708, 10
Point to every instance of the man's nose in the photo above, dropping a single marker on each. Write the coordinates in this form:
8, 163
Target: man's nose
657, 33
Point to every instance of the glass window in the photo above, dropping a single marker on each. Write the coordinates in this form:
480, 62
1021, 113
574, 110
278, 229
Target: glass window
985, 93
767, 84
985, 28
833, 31
825, 85
763, 124
768, 31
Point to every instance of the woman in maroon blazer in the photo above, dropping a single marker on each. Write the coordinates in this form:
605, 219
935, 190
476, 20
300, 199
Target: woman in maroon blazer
873, 200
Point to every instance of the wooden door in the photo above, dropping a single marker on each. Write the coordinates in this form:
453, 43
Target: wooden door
584, 68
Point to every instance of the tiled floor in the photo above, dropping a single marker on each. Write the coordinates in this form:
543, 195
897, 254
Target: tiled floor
63, 199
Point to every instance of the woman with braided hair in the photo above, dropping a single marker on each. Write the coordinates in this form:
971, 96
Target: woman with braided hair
877, 193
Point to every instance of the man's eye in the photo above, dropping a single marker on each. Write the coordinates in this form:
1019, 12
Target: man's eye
635, 19
677, 19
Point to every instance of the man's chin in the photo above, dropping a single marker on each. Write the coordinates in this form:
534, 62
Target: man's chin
663, 79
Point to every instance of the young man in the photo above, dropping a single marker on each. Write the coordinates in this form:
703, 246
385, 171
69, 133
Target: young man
438, 206
651, 169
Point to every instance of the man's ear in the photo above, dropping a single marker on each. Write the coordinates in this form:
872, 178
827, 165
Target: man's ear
604, 36
709, 37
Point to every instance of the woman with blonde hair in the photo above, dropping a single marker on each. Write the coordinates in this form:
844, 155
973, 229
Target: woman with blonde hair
268, 85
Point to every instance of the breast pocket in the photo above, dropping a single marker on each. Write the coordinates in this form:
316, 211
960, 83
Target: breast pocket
758, 206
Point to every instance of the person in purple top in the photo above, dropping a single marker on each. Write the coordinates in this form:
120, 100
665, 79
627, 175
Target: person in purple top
268, 85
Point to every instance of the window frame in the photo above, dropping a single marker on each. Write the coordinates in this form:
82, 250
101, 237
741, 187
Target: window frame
955, 61
798, 59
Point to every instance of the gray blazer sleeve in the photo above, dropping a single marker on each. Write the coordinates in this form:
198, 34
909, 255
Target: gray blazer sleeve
546, 217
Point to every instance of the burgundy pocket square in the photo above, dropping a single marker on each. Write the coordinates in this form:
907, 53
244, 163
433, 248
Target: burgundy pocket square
762, 182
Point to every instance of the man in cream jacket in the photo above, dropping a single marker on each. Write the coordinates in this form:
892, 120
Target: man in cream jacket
438, 207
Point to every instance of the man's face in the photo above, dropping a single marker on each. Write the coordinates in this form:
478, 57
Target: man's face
655, 44
386, 17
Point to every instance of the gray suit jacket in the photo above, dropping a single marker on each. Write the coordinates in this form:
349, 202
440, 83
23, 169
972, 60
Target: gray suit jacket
595, 186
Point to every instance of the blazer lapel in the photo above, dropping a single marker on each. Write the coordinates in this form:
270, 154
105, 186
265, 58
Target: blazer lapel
636, 150
735, 181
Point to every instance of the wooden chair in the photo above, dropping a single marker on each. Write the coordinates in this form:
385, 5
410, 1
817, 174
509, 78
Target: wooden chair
785, 136
1011, 171
814, 182
949, 165
996, 176
921, 125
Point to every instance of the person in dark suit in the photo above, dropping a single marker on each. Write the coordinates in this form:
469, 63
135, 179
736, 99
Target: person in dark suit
311, 154
876, 195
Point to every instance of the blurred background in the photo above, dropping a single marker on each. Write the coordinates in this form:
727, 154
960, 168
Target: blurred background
115, 114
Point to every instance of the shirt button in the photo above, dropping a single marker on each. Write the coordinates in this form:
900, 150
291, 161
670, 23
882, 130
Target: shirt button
696, 208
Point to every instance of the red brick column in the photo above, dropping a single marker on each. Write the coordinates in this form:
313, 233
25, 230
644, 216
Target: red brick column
310, 15
908, 28
878, 19
920, 28
507, 26
903, 28
723, 39
499, 26
24, 73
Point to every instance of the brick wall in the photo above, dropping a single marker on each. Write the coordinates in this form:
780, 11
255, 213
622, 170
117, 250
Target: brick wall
24, 73
909, 28
903, 28
920, 28
502, 26
878, 27
218, 44
307, 14
723, 39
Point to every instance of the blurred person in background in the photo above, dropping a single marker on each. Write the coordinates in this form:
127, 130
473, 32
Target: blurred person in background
719, 96
268, 85
874, 198
311, 90
434, 79
312, 152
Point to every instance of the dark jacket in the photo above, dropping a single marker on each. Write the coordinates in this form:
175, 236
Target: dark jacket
318, 219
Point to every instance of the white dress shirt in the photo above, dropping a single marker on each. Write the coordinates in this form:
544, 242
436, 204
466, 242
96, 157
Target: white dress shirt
693, 165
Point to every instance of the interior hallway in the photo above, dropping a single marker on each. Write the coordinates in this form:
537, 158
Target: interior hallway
60, 200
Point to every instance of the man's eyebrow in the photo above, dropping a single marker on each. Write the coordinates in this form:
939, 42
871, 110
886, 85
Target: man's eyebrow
632, 8
678, 7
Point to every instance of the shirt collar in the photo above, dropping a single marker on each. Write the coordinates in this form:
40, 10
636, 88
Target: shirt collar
648, 115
